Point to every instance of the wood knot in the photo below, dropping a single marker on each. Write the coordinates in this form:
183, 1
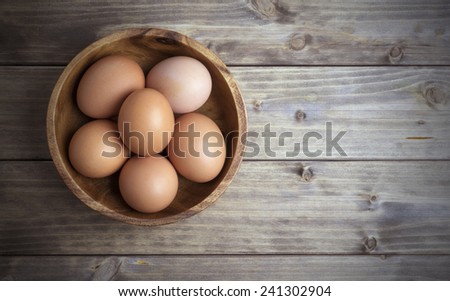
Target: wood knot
395, 54
266, 8
421, 122
108, 269
370, 243
300, 115
257, 105
272, 9
170, 38
306, 173
298, 41
373, 198
166, 41
434, 95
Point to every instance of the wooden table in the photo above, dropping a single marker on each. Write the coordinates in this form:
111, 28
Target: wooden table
379, 71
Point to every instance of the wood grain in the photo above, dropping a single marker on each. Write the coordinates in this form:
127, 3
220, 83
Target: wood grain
388, 113
270, 208
226, 267
381, 213
380, 112
250, 32
24, 99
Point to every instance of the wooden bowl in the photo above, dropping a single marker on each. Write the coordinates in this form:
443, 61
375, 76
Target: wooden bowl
147, 47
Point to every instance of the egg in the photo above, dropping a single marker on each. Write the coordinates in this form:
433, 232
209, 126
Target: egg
148, 184
146, 122
197, 150
96, 150
106, 84
185, 82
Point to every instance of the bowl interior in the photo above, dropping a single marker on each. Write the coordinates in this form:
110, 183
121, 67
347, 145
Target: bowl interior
147, 47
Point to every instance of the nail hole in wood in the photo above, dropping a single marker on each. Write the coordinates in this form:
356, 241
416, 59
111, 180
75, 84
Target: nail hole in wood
300, 115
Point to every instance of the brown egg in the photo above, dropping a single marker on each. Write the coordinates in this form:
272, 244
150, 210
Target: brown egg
146, 122
197, 150
148, 184
96, 150
185, 82
106, 84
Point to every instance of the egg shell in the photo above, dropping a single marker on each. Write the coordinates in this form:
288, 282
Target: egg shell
185, 81
197, 150
96, 150
148, 184
105, 85
146, 122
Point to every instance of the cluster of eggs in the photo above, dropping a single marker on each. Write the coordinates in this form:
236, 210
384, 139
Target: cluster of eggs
134, 128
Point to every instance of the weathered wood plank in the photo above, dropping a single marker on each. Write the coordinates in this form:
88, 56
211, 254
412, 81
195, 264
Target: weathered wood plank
270, 208
253, 32
387, 112
226, 267
24, 99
